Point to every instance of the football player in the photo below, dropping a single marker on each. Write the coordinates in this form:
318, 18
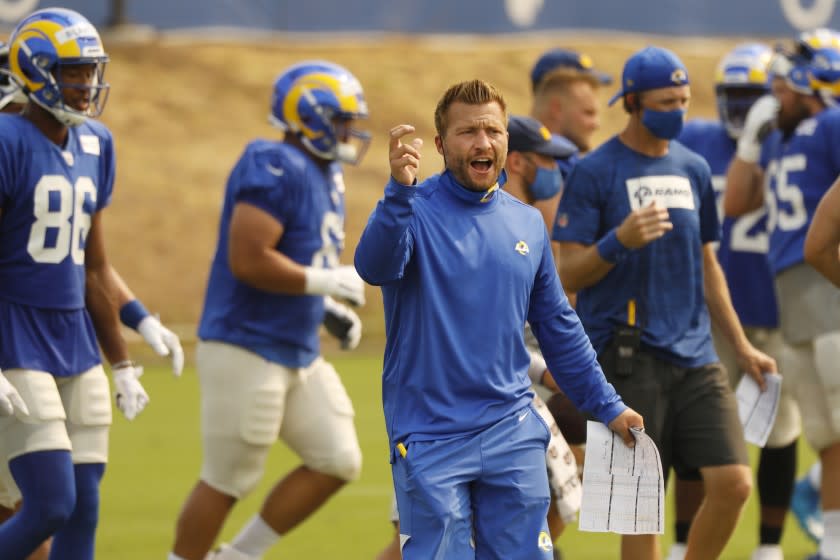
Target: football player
790, 172
58, 290
740, 81
261, 373
133, 313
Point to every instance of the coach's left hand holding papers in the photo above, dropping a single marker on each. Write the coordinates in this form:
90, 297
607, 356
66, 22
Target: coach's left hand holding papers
622, 423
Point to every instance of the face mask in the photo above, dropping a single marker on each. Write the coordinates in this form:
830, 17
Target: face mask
547, 183
663, 124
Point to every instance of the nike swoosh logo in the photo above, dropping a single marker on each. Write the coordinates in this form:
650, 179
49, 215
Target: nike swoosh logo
276, 171
523, 415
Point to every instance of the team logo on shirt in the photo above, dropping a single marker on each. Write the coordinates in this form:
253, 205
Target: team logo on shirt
544, 541
522, 248
670, 191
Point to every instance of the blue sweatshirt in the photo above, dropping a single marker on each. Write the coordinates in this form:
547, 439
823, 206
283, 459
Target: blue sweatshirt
461, 272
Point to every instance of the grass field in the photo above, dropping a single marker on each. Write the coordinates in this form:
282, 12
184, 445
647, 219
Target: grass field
155, 462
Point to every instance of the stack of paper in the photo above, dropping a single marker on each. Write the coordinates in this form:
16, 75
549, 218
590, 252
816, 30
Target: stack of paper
756, 408
623, 488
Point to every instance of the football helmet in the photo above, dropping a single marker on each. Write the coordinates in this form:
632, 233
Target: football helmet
10, 92
813, 67
740, 79
46, 42
316, 101
810, 41
824, 74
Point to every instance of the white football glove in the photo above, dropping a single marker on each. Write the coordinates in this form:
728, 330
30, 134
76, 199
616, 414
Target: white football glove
760, 118
129, 393
343, 323
10, 399
342, 282
163, 341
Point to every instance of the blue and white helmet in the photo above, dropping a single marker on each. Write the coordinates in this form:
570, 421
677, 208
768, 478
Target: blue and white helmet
824, 74
741, 79
813, 67
311, 99
44, 43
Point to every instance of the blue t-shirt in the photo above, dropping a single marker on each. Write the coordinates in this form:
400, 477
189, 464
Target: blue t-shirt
743, 243
309, 202
798, 170
48, 196
461, 272
664, 278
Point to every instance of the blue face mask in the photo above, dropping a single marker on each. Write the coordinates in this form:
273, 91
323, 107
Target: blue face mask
547, 183
663, 124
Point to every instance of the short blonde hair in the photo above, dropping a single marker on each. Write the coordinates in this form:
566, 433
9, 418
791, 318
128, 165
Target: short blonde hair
471, 92
559, 79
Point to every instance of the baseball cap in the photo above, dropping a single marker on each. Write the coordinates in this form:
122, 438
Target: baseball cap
565, 58
651, 68
529, 135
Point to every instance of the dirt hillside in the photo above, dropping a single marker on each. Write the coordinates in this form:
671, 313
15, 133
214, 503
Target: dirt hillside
181, 111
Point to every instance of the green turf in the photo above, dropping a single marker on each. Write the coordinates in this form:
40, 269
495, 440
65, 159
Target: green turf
155, 462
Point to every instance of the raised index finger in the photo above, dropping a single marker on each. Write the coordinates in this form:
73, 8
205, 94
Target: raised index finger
398, 132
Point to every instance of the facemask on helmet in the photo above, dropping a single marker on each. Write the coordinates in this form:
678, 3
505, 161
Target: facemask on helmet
318, 101
57, 57
740, 79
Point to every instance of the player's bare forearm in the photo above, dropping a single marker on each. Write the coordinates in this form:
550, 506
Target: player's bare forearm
101, 302
822, 244
580, 266
102, 295
750, 360
124, 293
252, 256
744, 188
719, 301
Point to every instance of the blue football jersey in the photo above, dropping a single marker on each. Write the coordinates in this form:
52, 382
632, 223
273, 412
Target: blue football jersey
743, 242
664, 278
48, 195
309, 202
797, 171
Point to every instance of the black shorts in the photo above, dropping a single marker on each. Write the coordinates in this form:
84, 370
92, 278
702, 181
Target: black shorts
690, 413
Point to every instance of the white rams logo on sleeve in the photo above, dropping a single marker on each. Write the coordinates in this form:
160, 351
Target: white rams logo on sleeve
522, 248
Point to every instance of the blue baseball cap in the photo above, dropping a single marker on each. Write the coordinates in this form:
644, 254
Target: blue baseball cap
565, 58
651, 68
529, 135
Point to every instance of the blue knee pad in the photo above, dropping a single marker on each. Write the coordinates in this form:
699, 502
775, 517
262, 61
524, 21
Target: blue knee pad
76, 538
45, 479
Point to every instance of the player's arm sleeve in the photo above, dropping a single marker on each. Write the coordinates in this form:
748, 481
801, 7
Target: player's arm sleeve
709, 222
275, 195
579, 213
387, 242
565, 346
